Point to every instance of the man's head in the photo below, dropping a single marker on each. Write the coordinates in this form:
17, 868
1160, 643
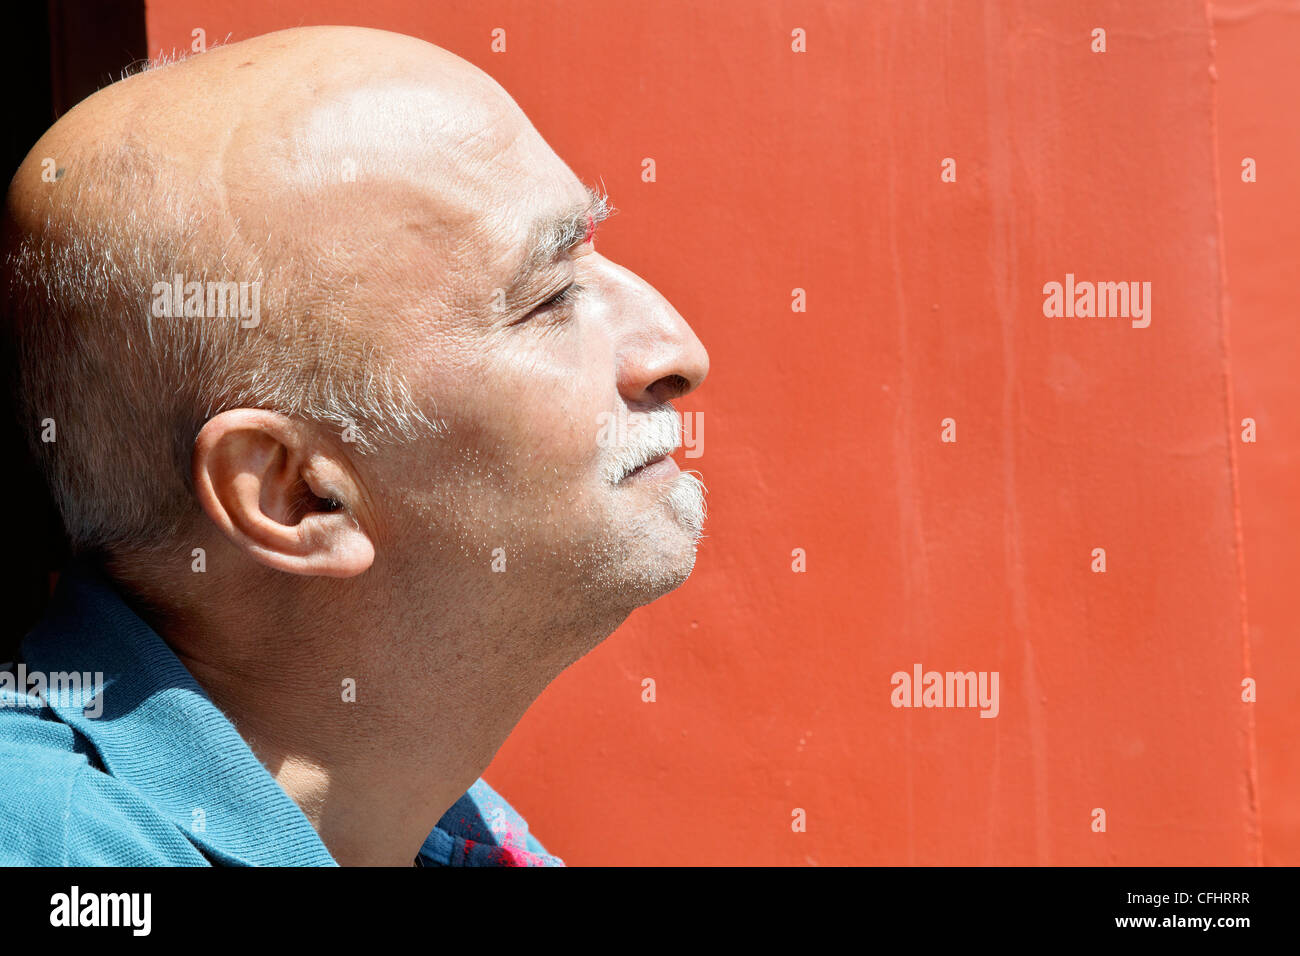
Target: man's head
435, 378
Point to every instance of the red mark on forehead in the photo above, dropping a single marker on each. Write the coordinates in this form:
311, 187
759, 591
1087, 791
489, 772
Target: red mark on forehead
591, 229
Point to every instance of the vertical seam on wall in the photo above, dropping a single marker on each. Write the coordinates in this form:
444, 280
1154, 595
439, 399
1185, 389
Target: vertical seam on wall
1225, 351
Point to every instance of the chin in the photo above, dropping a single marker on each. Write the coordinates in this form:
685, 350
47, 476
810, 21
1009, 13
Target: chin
684, 502
654, 558
650, 549
669, 562
648, 584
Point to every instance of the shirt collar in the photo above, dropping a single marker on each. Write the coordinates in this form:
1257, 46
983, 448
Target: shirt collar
159, 732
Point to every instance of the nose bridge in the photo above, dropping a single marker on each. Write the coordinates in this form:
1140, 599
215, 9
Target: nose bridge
660, 357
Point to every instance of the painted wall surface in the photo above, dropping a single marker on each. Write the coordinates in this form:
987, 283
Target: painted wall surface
1256, 48
1119, 690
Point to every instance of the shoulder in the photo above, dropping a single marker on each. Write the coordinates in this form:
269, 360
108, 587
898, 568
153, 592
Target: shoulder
57, 808
38, 766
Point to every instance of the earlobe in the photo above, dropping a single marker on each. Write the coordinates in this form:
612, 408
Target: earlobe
280, 494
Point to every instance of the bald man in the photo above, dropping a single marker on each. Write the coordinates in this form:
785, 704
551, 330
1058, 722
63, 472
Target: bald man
358, 443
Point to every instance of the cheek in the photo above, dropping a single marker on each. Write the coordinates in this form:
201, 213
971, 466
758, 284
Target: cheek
558, 418
539, 415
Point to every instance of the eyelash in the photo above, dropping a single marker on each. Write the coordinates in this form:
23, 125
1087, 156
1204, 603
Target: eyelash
567, 294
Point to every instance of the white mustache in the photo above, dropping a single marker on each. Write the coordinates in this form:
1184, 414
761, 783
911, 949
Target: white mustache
650, 435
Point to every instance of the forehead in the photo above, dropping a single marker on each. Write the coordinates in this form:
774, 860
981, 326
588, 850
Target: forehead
444, 192
467, 144
479, 174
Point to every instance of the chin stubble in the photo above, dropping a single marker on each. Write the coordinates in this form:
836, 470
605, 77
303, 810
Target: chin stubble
685, 496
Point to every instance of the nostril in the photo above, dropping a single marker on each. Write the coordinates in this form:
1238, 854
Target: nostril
670, 387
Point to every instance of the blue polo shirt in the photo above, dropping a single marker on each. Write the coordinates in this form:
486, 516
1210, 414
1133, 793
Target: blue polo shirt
112, 754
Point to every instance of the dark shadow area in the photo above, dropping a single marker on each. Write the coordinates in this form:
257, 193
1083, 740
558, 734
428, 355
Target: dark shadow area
53, 55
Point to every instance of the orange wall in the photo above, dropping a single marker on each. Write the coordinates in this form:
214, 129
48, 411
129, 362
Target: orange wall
821, 170
1256, 48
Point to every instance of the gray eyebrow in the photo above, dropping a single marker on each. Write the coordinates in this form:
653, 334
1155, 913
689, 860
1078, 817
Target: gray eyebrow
555, 235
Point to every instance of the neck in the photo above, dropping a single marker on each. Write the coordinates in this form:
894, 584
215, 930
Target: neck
372, 723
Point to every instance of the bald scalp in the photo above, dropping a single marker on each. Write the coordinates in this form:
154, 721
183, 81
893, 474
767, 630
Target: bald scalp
124, 195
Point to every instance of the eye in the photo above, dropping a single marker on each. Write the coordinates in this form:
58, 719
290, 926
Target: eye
568, 293
557, 305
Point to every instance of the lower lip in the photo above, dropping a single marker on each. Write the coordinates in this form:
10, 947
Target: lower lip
659, 468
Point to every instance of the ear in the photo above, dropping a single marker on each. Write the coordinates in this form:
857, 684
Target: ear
282, 493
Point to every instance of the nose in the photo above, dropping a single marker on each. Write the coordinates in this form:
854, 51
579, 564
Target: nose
659, 356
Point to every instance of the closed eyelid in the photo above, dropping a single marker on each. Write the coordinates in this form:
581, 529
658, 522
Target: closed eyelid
555, 300
567, 294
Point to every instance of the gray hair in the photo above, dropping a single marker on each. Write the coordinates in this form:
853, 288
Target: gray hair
128, 391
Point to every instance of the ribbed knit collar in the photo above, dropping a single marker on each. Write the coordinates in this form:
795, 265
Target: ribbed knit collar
160, 732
